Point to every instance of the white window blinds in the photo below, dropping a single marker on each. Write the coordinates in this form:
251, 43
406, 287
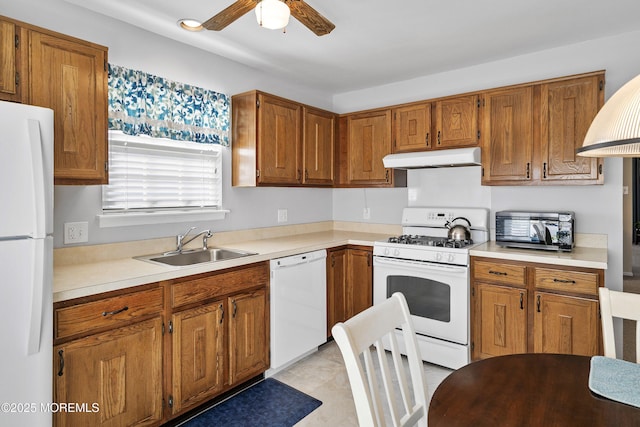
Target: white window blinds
149, 174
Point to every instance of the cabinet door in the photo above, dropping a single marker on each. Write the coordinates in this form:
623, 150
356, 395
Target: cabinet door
198, 354
279, 141
360, 284
336, 287
248, 335
120, 370
318, 146
369, 140
72, 80
564, 324
507, 127
500, 321
457, 122
568, 108
412, 127
337, 274
11, 46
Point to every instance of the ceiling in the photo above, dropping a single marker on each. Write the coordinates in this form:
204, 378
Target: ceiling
376, 42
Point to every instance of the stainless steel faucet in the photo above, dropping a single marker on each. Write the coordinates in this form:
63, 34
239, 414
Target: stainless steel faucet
180, 242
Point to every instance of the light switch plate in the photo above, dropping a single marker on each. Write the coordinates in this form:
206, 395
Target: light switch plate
76, 232
366, 213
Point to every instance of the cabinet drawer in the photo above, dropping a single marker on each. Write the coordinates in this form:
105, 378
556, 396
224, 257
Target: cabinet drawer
566, 281
106, 313
507, 274
214, 285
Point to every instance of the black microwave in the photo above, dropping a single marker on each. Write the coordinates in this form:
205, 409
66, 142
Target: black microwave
536, 230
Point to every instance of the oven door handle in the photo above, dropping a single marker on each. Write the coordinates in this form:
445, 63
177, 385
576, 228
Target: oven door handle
422, 265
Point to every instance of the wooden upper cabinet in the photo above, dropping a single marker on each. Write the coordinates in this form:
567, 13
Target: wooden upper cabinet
71, 78
457, 122
412, 128
279, 138
318, 142
12, 78
507, 152
568, 108
368, 141
278, 142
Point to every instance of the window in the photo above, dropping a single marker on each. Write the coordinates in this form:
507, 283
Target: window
152, 175
156, 180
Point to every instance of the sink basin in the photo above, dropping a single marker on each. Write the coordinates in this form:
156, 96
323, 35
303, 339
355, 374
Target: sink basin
195, 256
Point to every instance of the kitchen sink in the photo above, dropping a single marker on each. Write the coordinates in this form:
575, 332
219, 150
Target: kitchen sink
197, 256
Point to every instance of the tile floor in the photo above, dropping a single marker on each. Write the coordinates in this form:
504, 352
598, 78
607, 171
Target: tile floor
323, 376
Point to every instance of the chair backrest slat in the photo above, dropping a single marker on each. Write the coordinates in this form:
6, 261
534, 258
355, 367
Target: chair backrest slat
623, 305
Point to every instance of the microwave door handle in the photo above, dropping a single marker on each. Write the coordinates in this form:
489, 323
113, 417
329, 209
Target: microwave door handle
547, 236
539, 232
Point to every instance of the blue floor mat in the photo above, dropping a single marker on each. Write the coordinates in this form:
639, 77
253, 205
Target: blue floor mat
269, 403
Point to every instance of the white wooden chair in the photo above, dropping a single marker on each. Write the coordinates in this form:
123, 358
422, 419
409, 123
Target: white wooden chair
618, 304
355, 338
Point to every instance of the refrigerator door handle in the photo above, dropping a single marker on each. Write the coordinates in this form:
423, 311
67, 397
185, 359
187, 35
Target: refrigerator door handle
43, 254
38, 169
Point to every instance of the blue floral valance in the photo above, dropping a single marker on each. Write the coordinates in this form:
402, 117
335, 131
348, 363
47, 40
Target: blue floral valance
144, 104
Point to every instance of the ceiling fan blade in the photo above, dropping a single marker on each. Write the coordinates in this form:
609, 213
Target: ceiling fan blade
310, 17
230, 14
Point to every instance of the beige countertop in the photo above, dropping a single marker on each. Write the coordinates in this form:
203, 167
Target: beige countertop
90, 276
589, 257
89, 270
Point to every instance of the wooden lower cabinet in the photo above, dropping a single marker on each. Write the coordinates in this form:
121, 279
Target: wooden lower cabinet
248, 336
149, 354
120, 371
565, 324
198, 354
520, 307
349, 283
502, 320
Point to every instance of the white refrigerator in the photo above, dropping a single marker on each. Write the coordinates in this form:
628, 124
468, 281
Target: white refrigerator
26, 264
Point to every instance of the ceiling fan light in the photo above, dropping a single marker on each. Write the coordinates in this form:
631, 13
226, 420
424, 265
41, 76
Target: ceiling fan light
272, 14
190, 24
615, 131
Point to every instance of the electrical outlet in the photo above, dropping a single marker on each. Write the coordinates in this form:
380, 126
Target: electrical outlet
76, 232
366, 213
282, 215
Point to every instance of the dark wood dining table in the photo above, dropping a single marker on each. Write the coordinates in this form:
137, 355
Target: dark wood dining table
526, 390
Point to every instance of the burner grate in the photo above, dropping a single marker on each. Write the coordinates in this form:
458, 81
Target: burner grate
442, 242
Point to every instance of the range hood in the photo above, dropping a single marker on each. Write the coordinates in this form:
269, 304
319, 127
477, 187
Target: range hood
434, 159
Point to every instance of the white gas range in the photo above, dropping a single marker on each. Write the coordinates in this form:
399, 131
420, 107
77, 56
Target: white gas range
432, 271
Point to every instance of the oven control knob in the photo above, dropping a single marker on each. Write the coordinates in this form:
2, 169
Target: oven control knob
451, 257
386, 251
439, 256
396, 252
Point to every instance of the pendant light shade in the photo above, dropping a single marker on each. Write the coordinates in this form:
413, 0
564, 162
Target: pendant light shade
615, 131
272, 14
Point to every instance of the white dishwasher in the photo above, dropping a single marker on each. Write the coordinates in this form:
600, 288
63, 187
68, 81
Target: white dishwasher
298, 307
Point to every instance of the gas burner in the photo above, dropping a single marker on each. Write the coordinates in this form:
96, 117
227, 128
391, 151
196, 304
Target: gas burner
442, 242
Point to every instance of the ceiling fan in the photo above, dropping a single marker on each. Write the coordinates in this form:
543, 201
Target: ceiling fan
300, 10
